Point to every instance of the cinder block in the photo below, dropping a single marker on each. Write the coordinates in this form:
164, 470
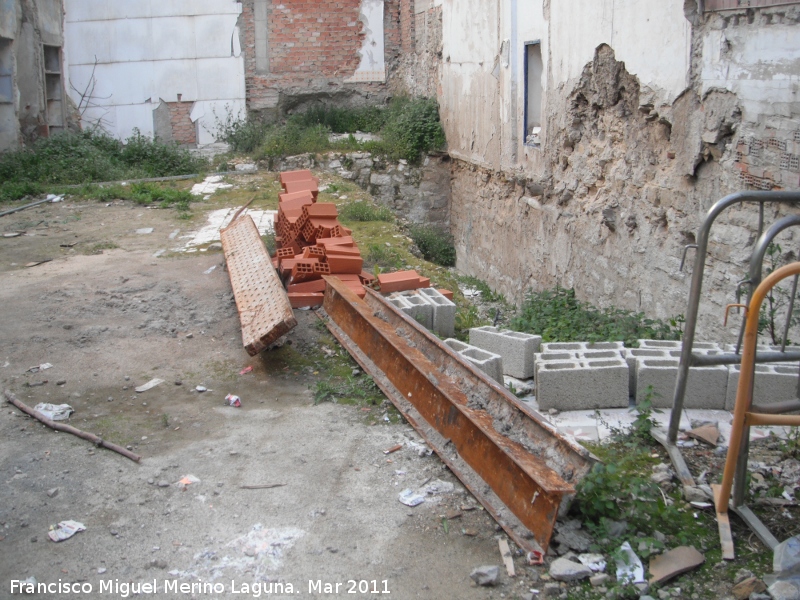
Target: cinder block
676, 345
488, 362
580, 350
516, 348
631, 354
580, 384
706, 387
416, 307
444, 312
772, 383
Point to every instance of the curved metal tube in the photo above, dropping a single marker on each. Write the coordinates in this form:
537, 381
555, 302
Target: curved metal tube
697, 286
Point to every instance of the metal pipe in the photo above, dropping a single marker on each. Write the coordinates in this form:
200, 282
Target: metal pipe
744, 392
19, 208
778, 408
708, 360
696, 288
789, 314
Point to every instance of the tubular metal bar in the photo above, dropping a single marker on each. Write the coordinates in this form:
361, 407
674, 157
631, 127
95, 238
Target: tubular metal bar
700, 360
789, 312
697, 286
757, 260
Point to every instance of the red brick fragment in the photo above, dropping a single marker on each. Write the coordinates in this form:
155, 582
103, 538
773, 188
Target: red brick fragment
398, 282
302, 300
447, 294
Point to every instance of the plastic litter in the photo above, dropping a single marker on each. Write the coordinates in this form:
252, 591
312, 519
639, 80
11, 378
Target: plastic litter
54, 412
629, 567
410, 498
187, 480
201, 388
232, 400
595, 562
149, 385
65, 530
41, 367
246, 370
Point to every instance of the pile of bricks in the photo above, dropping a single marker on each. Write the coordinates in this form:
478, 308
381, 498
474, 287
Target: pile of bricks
312, 242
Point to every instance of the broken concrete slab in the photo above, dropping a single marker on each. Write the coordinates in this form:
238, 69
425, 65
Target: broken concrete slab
485, 575
786, 555
563, 569
751, 585
675, 562
705, 433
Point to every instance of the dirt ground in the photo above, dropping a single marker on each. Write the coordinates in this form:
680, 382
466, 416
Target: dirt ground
110, 316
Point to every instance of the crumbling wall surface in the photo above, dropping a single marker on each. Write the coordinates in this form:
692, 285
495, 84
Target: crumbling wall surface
126, 58
300, 53
416, 70
627, 184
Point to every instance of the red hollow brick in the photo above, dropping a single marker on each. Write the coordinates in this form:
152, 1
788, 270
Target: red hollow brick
303, 300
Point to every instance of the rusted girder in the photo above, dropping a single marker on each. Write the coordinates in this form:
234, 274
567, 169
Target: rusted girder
456, 409
264, 309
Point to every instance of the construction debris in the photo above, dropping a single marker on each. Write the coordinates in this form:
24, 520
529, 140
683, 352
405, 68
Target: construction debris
508, 561
149, 385
65, 530
485, 575
673, 563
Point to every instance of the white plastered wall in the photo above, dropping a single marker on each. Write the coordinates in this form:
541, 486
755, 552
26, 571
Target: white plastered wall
147, 51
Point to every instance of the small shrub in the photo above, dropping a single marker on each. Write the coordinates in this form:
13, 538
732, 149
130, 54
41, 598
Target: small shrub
365, 211
413, 128
486, 292
150, 193
435, 243
379, 255
558, 316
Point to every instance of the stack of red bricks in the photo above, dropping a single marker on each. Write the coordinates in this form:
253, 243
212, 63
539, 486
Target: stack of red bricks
312, 242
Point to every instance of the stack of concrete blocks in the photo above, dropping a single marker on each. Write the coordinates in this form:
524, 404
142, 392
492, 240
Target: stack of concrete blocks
422, 302
657, 366
773, 382
516, 348
581, 375
414, 306
488, 362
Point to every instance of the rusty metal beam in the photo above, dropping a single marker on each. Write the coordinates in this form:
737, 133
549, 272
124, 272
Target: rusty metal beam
516, 487
264, 309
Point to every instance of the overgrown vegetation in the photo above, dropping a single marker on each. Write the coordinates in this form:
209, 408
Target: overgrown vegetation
348, 390
558, 316
365, 211
774, 310
435, 243
407, 129
90, 156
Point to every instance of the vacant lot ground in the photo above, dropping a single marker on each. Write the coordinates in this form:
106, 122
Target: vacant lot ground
109, 316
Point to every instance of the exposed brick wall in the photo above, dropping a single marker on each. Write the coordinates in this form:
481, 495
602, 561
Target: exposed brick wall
407, 25
313, 47
183, 130
771, 161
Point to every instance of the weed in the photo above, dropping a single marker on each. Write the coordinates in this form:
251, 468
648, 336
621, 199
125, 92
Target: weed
365, 211
557, 315
790, 447
486, 292
777, 300
165, 420
150, 193
90, 156
467, 317
435, 243
100, 246
346, 120
348, 390
379, 254
270, 243
413, 128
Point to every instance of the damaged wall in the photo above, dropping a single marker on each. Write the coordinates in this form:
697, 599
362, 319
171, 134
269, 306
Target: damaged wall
299, 53
129, 62
31, 80
639, 139
416, 69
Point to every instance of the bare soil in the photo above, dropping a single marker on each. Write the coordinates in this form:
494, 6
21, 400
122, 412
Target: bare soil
109, 316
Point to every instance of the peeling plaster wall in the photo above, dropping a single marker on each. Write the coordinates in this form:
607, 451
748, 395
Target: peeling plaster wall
416, 71
128, 57
25, 25
651, 115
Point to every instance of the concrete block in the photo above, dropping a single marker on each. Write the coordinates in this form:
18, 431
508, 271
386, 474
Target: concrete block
488, 362
676, 345
580, 383
576, 350
631, 354
516, 348
706, 387
444, 312
772, 383
416, 307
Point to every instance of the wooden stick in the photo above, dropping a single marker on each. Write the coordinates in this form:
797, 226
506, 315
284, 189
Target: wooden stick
241, 210
264, 486
97, 441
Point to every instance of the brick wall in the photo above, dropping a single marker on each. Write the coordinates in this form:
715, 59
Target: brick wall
769, 160
407, 25
313, 47
183, 130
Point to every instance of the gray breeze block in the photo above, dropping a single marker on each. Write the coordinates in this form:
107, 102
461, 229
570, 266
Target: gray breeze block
581, 383
772, 383
444, 312
414, 306
516, 348
488, 362
706, 387
577, 350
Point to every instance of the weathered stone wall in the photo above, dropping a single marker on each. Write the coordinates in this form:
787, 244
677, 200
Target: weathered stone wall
626, 185
419, 194
416, 71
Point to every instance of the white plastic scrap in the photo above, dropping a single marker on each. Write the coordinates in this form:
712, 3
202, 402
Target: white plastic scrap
65, 530
629, 567
54, 412
410, 498
149, 385
595, 562
41, 367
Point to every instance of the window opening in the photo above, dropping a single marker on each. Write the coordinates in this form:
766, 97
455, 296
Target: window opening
533, 93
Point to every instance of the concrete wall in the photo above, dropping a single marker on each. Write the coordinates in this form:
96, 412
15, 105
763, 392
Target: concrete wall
129, 57
652, 112
31, 90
